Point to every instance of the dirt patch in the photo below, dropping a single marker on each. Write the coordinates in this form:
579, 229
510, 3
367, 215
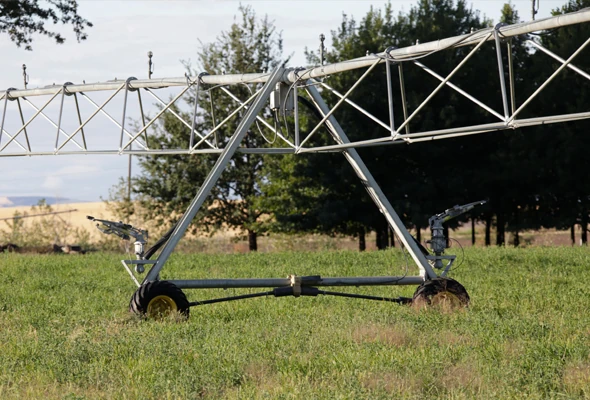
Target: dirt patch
463, 376
513, 350
390, 335
391, 383
76, 333
452, 339
576, 379
262, 376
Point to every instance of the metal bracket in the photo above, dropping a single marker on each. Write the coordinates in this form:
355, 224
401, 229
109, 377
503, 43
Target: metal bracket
295, 284
7, 94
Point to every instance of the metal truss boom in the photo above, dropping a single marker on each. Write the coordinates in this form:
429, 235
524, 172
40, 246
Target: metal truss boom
16, 138
296, 75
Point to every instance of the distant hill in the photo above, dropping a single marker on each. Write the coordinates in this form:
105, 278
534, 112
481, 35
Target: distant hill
19, 201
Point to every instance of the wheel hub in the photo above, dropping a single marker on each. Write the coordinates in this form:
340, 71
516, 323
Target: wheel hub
160, 306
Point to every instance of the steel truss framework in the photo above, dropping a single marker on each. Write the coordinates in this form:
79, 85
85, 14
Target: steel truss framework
137, 141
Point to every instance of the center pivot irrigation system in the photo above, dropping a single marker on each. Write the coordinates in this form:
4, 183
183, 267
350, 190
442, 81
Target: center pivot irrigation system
278, 90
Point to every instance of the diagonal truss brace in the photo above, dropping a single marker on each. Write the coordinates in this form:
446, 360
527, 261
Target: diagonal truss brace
372, 187
330, 112
215, 173
215, 129
557, 71
259, 118
461, 91
24, 126
395, 134
508, 122
190, 126
561, 60
440, 86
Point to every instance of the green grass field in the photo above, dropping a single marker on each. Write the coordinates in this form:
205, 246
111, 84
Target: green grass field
65, 331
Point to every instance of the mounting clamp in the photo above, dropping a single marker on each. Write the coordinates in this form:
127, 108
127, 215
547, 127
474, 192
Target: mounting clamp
295, 284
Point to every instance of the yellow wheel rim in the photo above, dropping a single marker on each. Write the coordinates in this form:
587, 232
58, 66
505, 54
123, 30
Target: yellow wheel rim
160, 306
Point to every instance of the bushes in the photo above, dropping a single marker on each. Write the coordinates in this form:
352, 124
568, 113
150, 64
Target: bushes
26, 230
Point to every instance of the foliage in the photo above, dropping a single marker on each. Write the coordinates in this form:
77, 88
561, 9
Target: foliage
66, 332
250, 45
568, 199
406, 174
528, 183
26, 230
20, 19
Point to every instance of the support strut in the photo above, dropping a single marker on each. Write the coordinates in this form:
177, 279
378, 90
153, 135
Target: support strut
372, 187
305, 291
215, 173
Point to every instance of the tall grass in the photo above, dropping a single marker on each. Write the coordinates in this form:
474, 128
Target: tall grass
65, 331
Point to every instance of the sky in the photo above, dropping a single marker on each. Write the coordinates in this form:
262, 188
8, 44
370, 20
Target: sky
117, 46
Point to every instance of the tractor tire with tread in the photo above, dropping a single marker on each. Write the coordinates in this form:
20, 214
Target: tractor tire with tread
445, 292
157, 299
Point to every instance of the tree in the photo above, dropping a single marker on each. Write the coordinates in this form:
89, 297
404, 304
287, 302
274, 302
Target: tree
570, 188
537, 178
250, 45
406, 174
509, 183
20, 19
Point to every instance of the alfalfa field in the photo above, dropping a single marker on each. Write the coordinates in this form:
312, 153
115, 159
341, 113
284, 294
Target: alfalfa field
65, 331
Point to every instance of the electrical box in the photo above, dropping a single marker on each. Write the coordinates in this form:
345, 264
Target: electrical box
283, 99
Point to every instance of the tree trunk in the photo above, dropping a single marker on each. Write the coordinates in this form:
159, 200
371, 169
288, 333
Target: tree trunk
584, 224
488, 240
516, 241
381, 239
473, 231
573, 234
500, 230
418, 235
391, 237
362, 243
516, 238
252, 243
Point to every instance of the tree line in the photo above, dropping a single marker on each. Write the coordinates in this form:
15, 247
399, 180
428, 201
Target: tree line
532, 177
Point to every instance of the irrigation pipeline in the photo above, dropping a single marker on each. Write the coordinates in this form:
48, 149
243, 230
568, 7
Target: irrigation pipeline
296, 75
38, 215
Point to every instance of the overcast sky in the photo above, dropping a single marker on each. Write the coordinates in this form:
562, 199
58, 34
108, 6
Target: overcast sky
123, 32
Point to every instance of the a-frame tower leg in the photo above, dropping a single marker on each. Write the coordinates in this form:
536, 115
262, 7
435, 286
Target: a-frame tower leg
215, 173
374, 190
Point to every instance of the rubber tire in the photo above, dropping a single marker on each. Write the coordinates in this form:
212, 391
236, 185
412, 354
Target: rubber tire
427, 291
148, 291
